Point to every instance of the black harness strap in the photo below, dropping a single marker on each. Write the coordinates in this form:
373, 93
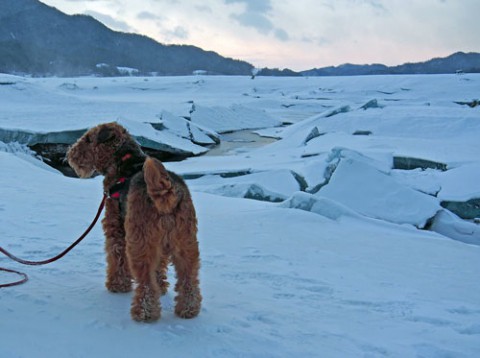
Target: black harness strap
129, 166
116, 189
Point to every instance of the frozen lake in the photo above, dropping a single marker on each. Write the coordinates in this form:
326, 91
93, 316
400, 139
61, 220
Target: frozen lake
314, 240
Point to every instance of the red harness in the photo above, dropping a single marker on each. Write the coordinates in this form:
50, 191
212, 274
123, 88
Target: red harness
115, 190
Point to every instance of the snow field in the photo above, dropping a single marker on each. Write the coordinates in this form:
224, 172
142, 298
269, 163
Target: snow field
338, 267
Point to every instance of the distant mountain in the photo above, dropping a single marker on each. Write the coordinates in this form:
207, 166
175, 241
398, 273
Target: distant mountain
286, 72
459, 61
347, 70
40, 40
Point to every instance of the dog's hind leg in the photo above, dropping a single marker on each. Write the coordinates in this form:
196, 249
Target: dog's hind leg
118, 272
143, 253
143, 258
146, 302
187, 263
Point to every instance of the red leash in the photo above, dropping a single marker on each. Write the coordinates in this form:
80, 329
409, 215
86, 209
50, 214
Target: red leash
19, 282
44, 262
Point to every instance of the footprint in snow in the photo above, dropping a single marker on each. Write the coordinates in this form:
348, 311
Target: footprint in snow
464, 311
283, 296
471, 330
438, 322
260, 317
317, 289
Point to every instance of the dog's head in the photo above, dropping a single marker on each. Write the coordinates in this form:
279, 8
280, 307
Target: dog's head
95, 150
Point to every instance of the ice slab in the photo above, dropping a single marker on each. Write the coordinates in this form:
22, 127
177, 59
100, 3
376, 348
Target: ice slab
274, 186
375, 194
448, 224
235, 117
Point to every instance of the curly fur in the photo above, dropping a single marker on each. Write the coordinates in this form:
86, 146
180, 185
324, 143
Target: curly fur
159, 225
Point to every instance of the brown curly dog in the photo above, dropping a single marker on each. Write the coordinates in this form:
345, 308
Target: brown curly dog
149, 221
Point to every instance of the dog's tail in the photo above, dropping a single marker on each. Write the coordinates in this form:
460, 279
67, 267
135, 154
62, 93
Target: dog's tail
159, 186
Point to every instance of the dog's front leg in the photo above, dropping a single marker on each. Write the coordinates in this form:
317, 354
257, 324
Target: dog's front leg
119, 278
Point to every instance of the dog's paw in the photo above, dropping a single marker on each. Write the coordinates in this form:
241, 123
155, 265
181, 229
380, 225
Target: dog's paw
187, 311
144, 314
188, 306
145, 305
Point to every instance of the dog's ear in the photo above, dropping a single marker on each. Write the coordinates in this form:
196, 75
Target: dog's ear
105, 134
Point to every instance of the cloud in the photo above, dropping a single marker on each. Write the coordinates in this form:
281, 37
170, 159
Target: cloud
204, 8
110, 21
174, 35
347, 5
169, 32
172, 2
255, 16
261, 6
146, 15
255, 20
180, 32
281, 34
376, 4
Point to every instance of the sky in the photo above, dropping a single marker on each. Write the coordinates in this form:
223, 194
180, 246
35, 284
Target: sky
298, 34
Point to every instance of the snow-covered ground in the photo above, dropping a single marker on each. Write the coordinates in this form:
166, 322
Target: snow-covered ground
336, 261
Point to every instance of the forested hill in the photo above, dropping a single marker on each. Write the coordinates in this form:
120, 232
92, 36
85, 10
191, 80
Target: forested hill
40, 40
457, 62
